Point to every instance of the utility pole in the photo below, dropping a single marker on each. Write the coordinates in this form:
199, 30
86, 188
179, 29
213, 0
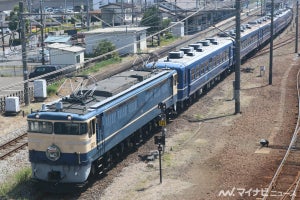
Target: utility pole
65, 10
238, 57
132, 10
261, 7
24, 54
176, 19
271, 44
42, 33
29, 6
88, 14
297, 27
2, 35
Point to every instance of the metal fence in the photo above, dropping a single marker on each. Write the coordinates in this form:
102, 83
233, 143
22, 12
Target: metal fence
19, 94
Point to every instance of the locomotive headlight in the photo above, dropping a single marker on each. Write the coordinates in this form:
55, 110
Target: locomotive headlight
37, 115
69, 117
76, 173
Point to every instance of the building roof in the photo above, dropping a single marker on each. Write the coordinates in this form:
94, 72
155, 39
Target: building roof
57, 39
65, 47
124, 5
120, 29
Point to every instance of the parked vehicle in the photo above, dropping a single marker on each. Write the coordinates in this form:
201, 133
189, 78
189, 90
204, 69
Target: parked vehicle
45, 69
79, 25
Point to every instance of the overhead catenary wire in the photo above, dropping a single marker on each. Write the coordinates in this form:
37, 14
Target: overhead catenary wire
92, 59
71, 35
101, 56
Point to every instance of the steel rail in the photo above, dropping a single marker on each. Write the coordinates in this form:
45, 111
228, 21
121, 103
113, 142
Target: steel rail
13, 141
6, 154
293, 140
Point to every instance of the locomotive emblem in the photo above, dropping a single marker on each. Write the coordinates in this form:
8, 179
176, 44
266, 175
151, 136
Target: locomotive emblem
53, 152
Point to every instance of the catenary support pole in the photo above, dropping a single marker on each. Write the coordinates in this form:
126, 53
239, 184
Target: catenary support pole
237, 57
271, 44
24, 54
297, 27
42, 32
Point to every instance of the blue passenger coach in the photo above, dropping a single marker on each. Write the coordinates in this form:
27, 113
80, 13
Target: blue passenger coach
198, 65
72, 137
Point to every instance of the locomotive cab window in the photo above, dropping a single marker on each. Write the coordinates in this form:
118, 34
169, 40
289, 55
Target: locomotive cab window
67, 128
40, 127
92, 128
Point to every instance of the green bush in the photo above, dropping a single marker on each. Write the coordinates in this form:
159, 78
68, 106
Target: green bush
52, 89
15, 42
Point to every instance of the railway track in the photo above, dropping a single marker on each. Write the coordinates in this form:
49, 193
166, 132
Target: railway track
12, 146
285, 183
277, 45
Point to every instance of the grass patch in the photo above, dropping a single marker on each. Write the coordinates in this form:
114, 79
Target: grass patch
96, 68
167, 41
167, 159
14, 186
52, 89
199, 117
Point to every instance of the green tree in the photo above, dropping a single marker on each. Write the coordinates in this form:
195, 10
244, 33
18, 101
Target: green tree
152, 19
103, 47
166, 23
14, 19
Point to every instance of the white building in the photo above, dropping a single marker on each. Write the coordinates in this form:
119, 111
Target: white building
126, 39
99, 3
177, 29
63, 54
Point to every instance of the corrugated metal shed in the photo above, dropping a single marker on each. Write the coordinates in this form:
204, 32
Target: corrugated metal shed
65, 47
121, 29
58, 39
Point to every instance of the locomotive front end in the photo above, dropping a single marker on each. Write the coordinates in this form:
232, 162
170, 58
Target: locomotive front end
59, 147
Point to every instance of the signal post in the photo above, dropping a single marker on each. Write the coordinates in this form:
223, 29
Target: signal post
160, 140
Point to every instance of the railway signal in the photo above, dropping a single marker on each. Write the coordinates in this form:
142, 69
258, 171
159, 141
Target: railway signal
161, 140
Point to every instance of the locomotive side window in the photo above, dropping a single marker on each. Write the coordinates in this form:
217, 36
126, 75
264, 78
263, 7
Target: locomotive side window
175, 79
92, 129
63, 128
40, 127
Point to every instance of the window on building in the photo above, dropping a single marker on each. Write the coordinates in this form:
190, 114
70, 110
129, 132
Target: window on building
78, 59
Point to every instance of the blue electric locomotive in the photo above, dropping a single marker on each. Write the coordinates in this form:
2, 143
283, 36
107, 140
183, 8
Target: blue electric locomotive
72, 137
